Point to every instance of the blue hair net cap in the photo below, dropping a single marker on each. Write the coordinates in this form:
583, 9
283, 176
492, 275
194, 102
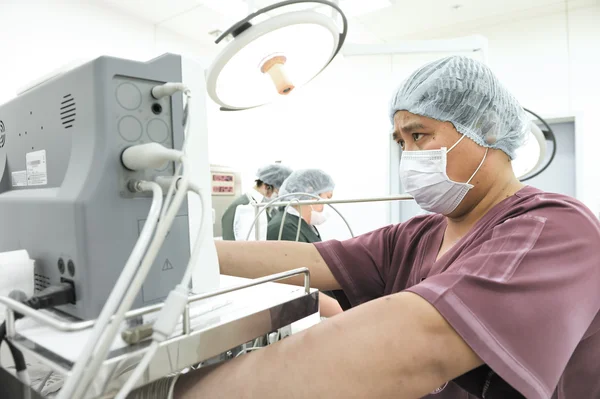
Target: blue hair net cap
466, 93
274, 174
311, 181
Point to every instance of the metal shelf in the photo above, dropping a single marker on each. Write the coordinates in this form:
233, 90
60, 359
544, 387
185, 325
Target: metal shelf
248, 311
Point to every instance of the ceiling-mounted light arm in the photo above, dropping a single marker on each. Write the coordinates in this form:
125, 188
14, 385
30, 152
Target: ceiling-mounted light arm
245, 23
548, 135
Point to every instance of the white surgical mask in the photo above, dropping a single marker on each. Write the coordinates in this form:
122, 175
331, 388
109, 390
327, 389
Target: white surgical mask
423, 175
317, 218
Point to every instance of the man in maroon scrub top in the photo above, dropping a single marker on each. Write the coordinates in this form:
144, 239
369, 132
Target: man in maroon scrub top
494, 295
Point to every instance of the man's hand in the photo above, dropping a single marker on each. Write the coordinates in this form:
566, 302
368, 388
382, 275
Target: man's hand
396, 347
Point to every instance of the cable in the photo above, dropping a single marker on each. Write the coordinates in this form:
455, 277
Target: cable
87, 366
186, 129
187, 277
161, 232
139, 370
253, 348
44, 381
120, 287
50, 297
176, 301
18, 358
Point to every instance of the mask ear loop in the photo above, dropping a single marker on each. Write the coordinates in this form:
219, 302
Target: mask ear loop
455, 144
479, 167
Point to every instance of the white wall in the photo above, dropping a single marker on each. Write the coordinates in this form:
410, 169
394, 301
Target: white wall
38, 36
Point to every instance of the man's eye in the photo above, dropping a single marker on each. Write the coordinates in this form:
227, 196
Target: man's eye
401, 143
417, 136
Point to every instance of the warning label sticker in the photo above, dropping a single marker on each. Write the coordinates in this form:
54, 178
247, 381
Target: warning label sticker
19, 178
36, 168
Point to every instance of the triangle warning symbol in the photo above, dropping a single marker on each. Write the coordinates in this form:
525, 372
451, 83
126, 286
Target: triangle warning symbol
167, 265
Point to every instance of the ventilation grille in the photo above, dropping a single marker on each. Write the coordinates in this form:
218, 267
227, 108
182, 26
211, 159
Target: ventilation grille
67, 111
41, 282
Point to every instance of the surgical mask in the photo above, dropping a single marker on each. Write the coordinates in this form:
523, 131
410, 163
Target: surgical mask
423, 175
317, 218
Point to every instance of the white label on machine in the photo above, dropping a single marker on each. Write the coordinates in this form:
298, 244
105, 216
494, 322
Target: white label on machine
19, 178
36, 168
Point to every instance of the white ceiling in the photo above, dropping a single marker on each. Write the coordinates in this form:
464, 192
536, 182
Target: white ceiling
405, 18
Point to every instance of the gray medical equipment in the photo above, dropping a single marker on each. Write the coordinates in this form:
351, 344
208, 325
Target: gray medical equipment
63, 190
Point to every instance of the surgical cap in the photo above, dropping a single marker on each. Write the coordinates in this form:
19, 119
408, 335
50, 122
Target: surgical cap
273, 174
311, 181
466, 93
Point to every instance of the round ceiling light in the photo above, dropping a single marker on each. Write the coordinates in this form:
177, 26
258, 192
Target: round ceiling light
274, 57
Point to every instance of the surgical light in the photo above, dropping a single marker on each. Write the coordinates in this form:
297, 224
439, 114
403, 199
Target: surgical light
274, 57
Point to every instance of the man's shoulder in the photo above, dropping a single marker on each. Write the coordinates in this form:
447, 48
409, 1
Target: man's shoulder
420, 222
561, 215
550, 206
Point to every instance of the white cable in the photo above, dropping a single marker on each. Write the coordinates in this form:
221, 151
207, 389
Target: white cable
159, 237
187, 277
139, 370
24, 377
167, 89
120, 287
253, 348
186, 129
80, 380
167, 319
148, 156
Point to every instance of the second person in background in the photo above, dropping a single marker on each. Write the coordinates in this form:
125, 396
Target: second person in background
238, 219
297, 223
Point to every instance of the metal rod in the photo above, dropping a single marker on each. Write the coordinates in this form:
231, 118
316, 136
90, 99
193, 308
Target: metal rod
400, 197
186, 320
10, 323
256, 225
258, 281
41, 317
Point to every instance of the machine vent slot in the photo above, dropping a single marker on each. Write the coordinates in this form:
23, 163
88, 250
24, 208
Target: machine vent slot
41, 282
67, 111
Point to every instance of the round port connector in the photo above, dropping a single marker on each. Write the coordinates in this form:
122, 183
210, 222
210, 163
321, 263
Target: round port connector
61, 266
71, 268
156, 108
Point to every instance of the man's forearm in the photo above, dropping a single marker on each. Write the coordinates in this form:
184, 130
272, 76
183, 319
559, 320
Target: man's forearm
253, 259
395, 347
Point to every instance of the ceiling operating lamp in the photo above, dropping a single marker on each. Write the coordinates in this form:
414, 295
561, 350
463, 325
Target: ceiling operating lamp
532, 158
272, 58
